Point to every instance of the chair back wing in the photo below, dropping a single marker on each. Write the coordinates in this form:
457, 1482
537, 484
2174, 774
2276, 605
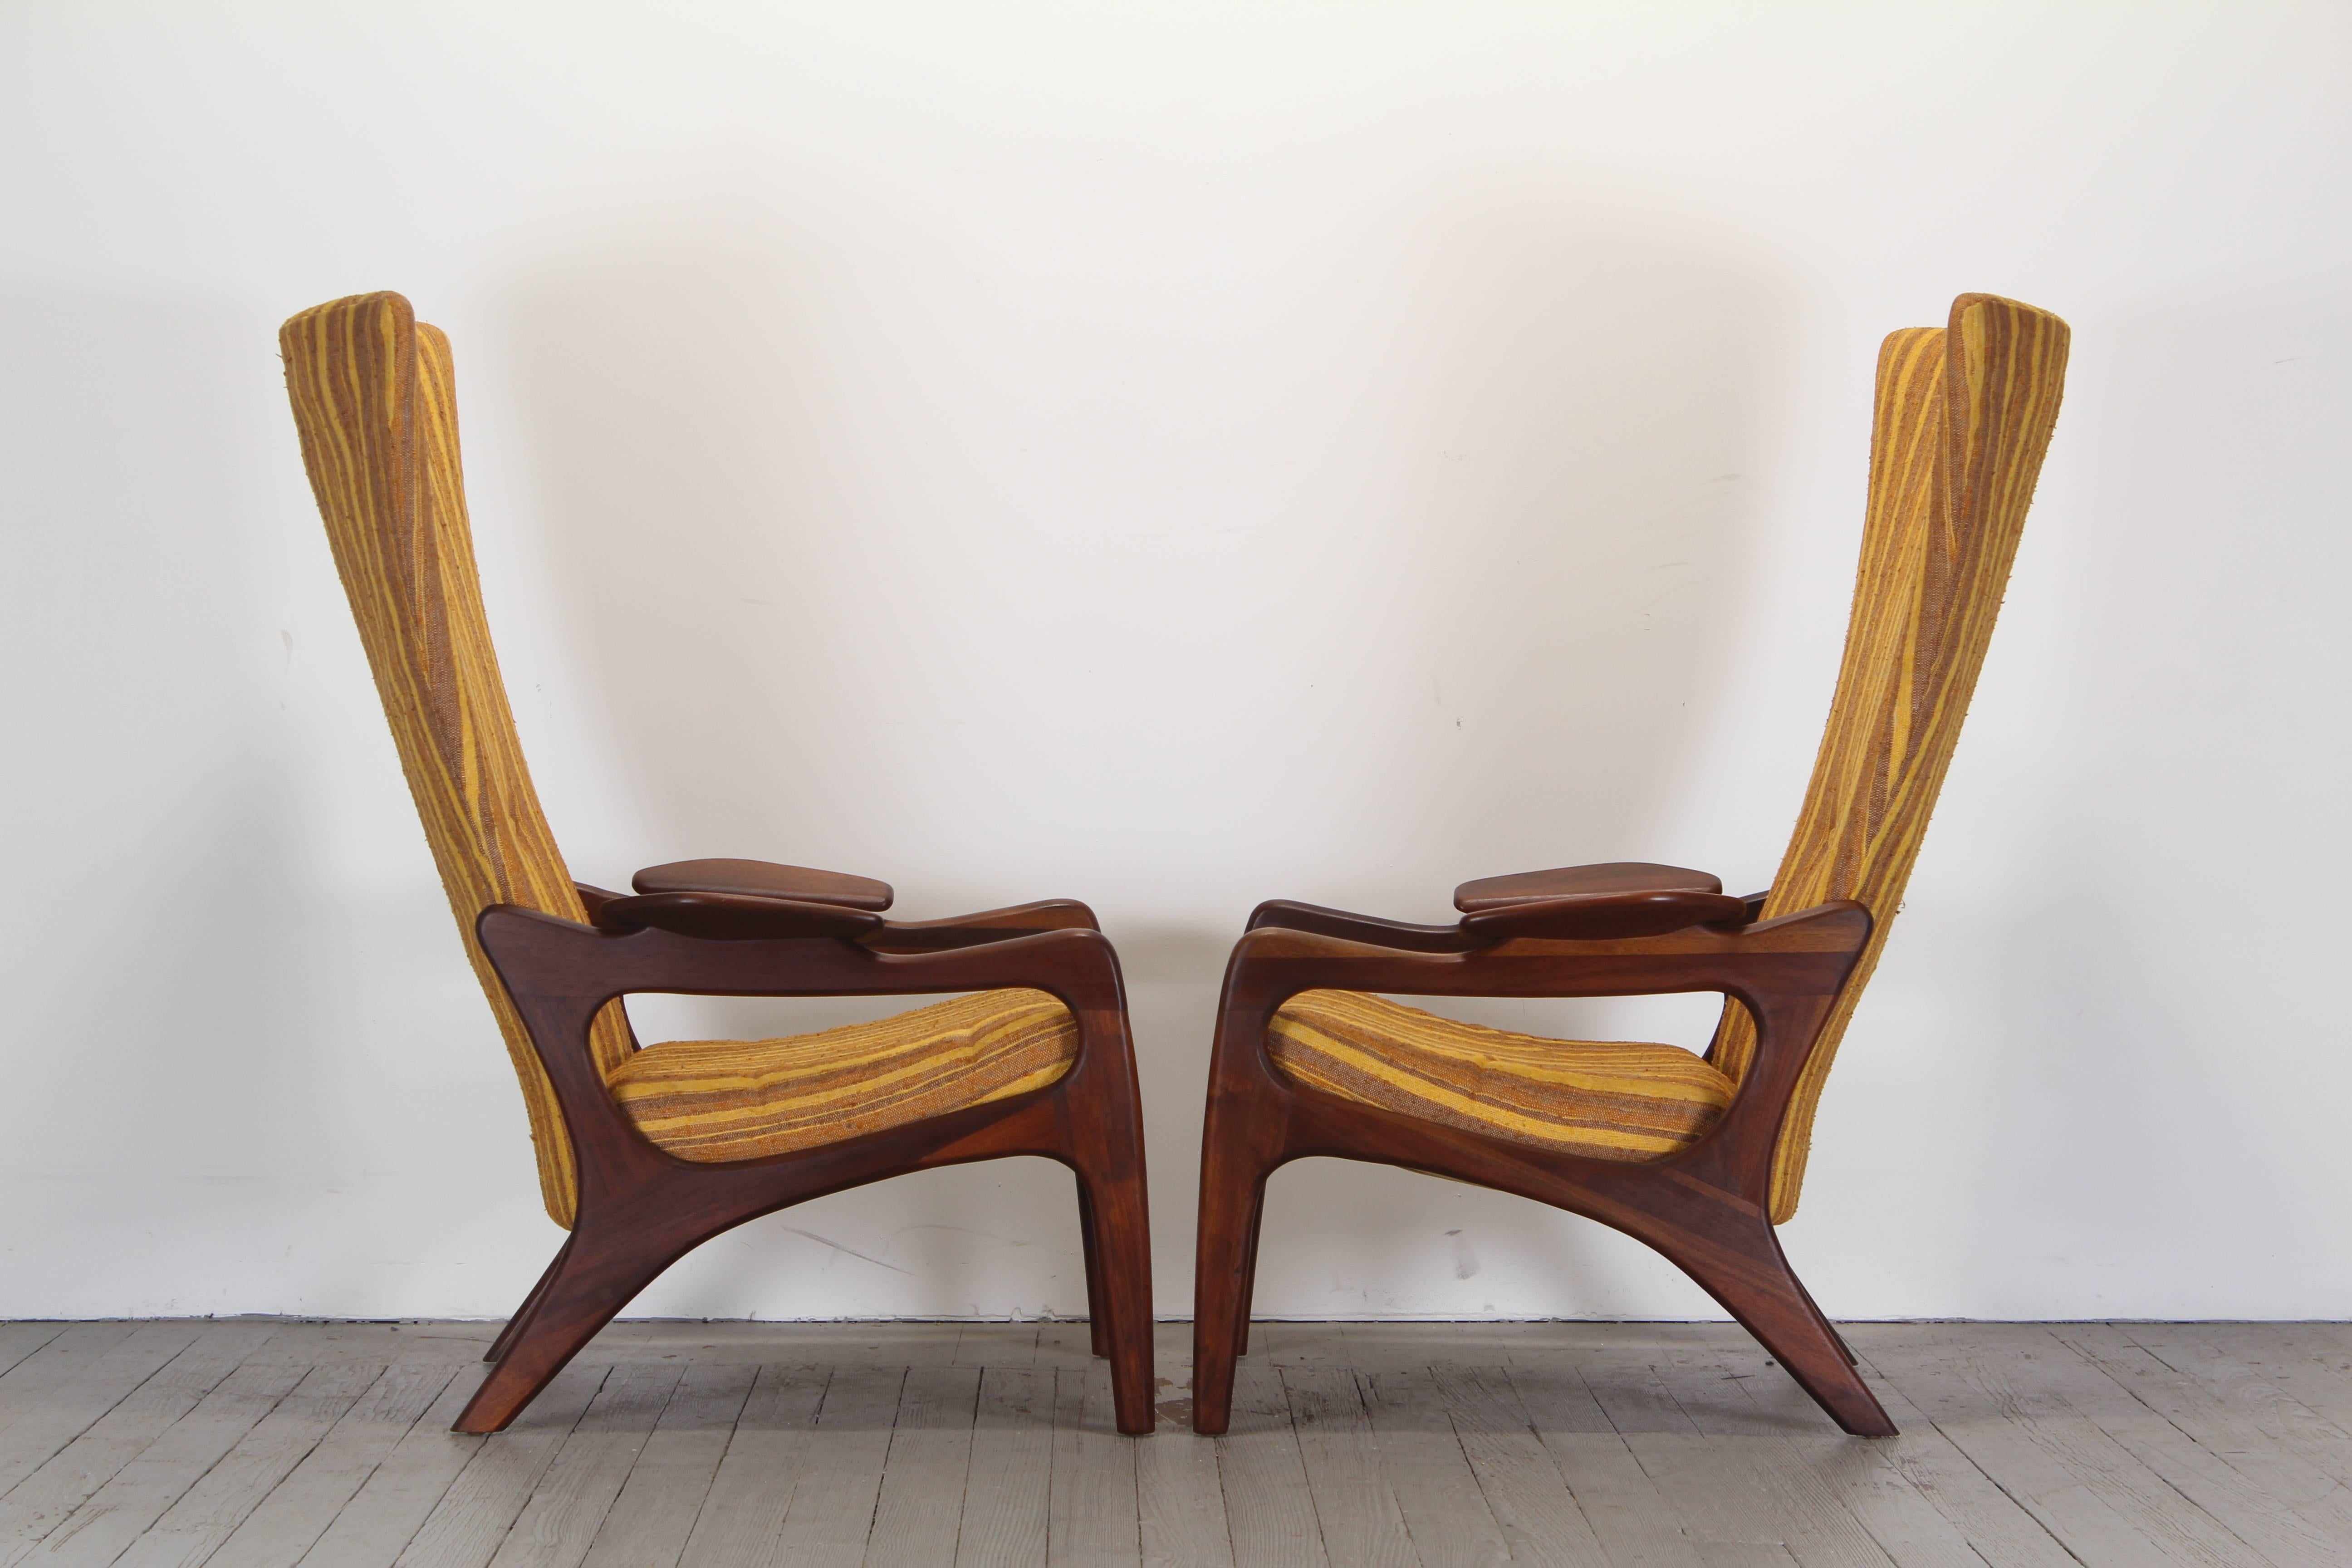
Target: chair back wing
1964, 414
375, 403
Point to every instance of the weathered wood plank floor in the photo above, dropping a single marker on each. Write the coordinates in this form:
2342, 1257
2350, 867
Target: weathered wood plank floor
264, 1444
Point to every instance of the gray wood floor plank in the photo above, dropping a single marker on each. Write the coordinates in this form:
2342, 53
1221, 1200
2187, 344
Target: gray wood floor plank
1180, 1499
569, 1503
2251, 1383
392, 1503
472, 1517
1868, 1479
313, 1343
832, 1511
752, 1489
1269, 1514
193, 1528
21, 1339
997, 1344
1997, 1527
1747, 1465
922, 1502
1625, 1384
2103, 1505
103, 1528
1091, 1510
1065, 1344
1362, 1524
74, 1346
648, 1523
41, 1502
1744, 1554
2295, 1457
1529, 1497
275, 1444
300, 1509
1007, 1496
1445, 1509
1632, 1520
54, 1395
2241, 1498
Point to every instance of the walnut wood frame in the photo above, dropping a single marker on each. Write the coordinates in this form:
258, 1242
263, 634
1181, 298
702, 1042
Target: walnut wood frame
641, 1209
1702, 1207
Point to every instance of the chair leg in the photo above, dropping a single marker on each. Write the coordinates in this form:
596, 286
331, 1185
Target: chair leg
1118, 1225
1249, 1271
521, 1319
1845, 1348
1764, 1293
593, 1277
1098, 1323
1233, 1190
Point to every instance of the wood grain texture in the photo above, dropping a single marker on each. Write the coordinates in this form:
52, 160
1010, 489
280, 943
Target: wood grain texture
1578, 881
765, 879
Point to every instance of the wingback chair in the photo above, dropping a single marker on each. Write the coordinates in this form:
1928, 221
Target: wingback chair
1699, 1158
644, 1153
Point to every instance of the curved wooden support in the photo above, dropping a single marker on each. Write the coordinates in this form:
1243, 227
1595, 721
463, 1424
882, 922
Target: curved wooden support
1702, 1207
641, 1208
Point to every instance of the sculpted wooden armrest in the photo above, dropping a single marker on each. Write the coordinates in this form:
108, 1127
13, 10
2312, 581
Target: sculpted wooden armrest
1369, 929
989, 925
763, 879
732, 917
1600, 916
1581, 882
1584, 918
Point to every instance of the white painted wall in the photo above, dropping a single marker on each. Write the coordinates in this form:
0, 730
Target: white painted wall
1173, 456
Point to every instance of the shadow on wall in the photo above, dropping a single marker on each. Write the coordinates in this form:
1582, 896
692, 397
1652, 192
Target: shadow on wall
1362, 573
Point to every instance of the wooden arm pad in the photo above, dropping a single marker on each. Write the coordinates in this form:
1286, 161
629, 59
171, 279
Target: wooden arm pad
763, 879
734, 916
1581, 882
1604, 916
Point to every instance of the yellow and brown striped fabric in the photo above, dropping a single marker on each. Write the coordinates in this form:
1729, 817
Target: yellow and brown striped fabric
1607, 1099
709, 1101
1964, 416
377, 406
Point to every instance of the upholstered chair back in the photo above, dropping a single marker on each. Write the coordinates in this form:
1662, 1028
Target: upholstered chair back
375, 404
1964, 414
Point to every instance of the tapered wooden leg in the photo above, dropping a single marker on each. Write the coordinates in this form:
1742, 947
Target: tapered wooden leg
1098, 1325
1764, 1293
1845, 1348
521, 1319
1233, 1186
1248, 1303
1113, 1211
594, 1277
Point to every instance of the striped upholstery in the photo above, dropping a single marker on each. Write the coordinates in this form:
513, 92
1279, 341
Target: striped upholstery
1963, 416
1964, 413
1607, 1099
376, 406
708, 1100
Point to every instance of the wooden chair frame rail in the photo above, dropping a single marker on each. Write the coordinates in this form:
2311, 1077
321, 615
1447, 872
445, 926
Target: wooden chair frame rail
1705, 1206
641, 1209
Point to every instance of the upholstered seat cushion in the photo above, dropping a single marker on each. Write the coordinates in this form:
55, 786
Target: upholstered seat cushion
1606, 1099
709, 1101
